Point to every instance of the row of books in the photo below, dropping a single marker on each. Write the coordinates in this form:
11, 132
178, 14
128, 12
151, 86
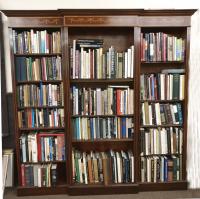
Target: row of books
161, 168
102, 128
162, 86
102, 167
40, 95
162, 47
161, 141
37, 175
89, 61
31, 118
112, 100
35, 69
35, 41
161, 114
43, 147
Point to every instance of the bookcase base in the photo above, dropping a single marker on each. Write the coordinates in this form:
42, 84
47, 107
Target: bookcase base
34, 191
167, 186
103, 190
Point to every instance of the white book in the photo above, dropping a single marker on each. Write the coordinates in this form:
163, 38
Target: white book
151, 141
119, 174
148, 169
24, 151
163, 134
143, 114
162, 169
129, 63
132, 62
84, 168
171, 140
80, 170
74, 60
39, 177
157, 110
34, 147
126, 65
182, 87
171, 87
150, 115
162, 86
147, 143
98, 101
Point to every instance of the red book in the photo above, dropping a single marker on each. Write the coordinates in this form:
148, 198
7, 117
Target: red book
119, 102
22, 175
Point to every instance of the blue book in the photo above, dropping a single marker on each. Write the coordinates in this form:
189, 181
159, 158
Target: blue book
91, 129
180, 116
33, 117
42, 148
165, 169
18, 68
23, 69
152, 88
41, 94
123, 123
50, 149
78, 122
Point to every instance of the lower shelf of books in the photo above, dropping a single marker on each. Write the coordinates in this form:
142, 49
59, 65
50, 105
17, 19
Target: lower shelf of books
31, 191
162, 186
97, 189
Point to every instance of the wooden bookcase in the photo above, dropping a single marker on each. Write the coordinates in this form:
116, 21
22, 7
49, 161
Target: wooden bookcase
120, 28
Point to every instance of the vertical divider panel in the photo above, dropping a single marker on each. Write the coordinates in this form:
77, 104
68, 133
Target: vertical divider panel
187, 48
137, 31
66, 87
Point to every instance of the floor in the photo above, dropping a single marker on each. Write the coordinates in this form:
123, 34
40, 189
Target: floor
11, 194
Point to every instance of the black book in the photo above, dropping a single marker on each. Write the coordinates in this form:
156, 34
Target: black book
54, 174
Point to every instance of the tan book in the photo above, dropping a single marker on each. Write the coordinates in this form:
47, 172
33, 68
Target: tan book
90, 176
146, 113
95, 167
105, 168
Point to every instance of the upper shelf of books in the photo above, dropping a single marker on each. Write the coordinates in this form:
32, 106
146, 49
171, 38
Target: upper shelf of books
34, 42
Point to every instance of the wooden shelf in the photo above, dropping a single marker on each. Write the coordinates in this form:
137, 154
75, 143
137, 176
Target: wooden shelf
109, 81
163, 186
96, 189
164, 125
41, 128
161, 62
34, 191
91, 116
161, 101
95, 141
40, 81
45, 162
168, 154
37, 54
42, 107
104, 144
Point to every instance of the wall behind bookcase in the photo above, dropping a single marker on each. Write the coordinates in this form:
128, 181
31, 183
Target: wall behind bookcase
193, 167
